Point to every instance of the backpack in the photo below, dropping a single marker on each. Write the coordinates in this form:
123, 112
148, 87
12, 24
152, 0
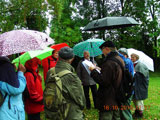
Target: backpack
59, 108
25, 94
126, 86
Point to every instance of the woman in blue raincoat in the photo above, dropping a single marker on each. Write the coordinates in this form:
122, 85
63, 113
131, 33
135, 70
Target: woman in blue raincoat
11, 85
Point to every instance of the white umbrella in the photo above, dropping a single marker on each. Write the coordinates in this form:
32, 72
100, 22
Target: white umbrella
145, 59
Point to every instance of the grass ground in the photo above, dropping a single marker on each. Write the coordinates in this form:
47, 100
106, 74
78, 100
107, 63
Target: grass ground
152, 104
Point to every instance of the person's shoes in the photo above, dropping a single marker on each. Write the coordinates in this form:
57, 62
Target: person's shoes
137, 114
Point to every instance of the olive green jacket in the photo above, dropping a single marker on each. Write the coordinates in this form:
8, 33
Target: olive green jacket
72, 91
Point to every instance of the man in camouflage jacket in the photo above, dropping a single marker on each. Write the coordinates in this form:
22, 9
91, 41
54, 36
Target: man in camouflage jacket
71, 86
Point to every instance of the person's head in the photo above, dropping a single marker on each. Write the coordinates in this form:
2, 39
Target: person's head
86, 55
107, 47
66, 54
4, 58
32, 64
134, 57
55, 54
124, 52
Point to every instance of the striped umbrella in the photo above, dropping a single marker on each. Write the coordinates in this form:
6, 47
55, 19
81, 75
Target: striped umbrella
90, 45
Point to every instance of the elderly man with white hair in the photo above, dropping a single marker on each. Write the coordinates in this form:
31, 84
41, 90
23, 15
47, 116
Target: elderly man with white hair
83, 73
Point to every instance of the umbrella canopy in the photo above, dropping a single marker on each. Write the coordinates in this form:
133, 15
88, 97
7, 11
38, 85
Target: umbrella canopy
91, 45
18, 41
110, 23
145, 59
59, 46
40, 54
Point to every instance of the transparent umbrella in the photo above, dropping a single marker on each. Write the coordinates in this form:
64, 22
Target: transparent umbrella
145, 59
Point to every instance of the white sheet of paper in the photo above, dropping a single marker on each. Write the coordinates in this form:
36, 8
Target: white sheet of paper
88, 64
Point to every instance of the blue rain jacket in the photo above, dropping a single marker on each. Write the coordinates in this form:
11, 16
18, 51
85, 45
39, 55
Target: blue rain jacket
13, 85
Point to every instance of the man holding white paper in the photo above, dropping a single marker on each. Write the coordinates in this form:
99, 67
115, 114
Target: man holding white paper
84, 74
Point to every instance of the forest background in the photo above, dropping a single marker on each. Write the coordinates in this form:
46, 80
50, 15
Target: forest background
67, 18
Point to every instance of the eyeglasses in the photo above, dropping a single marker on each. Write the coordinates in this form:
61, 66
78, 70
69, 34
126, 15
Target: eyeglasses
102, 47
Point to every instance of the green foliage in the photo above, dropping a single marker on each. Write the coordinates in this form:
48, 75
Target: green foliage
64, 28
17, 14
91, 10
69, 15
57, 6
144, 36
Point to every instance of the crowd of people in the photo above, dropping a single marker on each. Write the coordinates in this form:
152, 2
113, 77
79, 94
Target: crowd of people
75, 85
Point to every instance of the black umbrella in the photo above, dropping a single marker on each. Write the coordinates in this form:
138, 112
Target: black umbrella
110, 23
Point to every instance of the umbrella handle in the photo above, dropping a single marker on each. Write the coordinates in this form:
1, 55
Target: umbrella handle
19, 60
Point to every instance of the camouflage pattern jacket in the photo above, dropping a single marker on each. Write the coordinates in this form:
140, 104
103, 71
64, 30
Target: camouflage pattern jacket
72, 91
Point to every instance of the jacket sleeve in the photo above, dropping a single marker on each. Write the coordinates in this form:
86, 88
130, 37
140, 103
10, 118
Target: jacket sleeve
131, 67
31, 85
78, 70
104, 77
14, 90
75, 90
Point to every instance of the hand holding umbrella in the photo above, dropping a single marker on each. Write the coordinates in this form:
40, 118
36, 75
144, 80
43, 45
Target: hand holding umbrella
21, 68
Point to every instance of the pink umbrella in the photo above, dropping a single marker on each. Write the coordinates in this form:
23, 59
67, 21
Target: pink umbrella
18, 41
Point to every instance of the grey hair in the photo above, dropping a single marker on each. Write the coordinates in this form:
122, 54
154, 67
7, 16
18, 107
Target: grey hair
85, 51
137, 56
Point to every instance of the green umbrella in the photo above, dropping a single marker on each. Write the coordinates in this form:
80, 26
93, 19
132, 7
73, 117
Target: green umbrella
40, 54
90, 45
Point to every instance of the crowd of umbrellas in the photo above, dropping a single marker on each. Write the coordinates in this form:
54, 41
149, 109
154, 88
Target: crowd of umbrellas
35, 44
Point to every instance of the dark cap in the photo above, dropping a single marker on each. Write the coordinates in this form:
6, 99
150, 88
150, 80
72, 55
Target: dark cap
66, 53
107, 44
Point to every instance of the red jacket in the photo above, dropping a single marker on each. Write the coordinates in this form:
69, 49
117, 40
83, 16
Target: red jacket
48, 63
34, 103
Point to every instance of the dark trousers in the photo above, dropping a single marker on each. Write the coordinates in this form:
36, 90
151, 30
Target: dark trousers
86, 93
35, 116
110, 115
